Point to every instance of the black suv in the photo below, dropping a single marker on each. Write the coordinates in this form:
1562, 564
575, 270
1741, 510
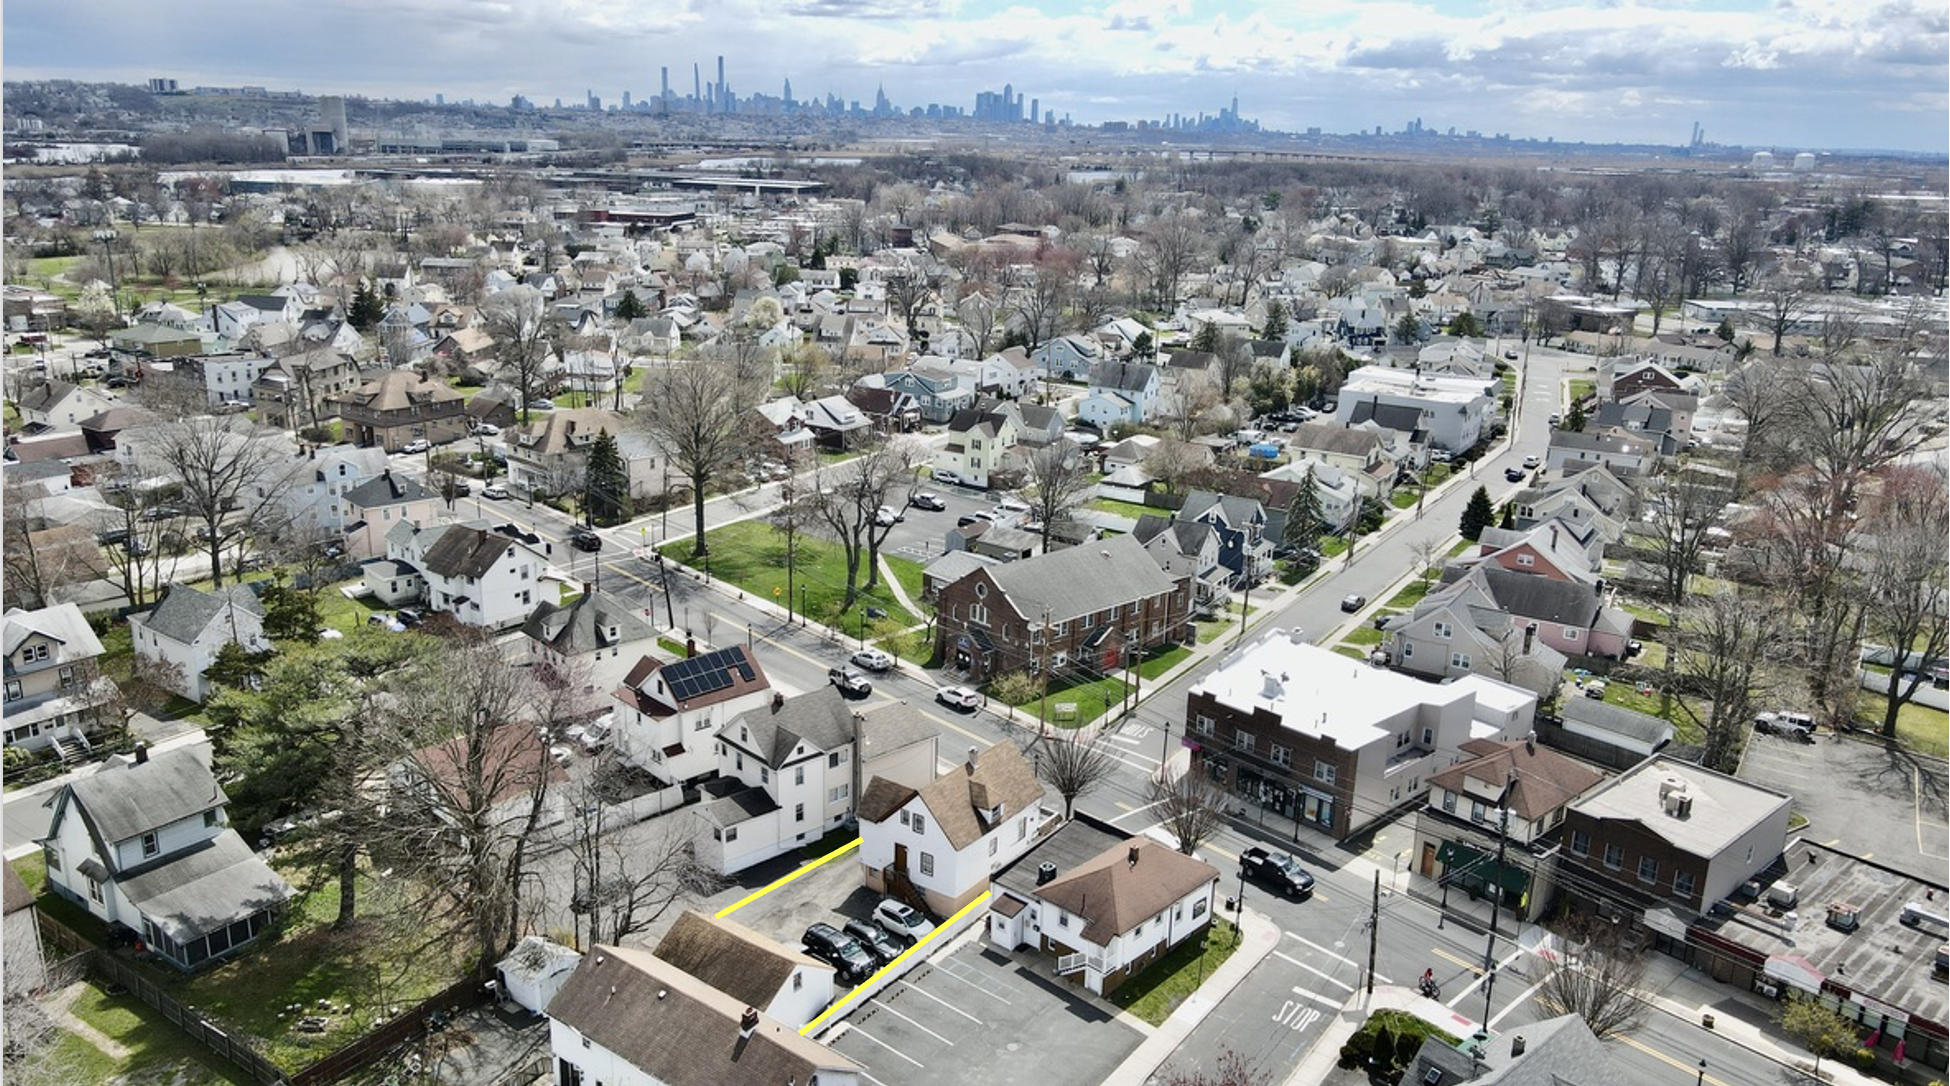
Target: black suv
584, 538
839, 950
1276, 870
884, 947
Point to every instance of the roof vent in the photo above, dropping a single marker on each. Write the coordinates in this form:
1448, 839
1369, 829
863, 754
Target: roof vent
1045, 872
1844, 916
1781, 896
1105, 553
1132, 858
1516, 1046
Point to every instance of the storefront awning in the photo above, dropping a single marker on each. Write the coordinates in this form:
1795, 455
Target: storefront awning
1795, 972
1459, 861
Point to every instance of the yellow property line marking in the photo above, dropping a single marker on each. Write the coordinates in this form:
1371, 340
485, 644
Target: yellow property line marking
1661, 1056
925, 940
776, 883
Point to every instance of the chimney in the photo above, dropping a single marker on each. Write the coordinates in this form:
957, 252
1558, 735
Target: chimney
141, 754
690, 646
1045, 873
1516, 1046
778, 701
1132, 859
971, 761
587, 588
1530, 743
1529, 637
747, 1022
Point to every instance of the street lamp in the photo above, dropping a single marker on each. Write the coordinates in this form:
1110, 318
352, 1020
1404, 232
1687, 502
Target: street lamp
1701, 1080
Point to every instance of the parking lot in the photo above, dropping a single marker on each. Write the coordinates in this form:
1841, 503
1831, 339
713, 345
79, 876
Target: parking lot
979, 1017
1881, 804
922, 535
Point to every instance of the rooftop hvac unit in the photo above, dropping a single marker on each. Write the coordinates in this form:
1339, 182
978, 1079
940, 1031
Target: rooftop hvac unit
1781, 896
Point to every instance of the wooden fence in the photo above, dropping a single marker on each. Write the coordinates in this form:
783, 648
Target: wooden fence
237, 1050
364, 1051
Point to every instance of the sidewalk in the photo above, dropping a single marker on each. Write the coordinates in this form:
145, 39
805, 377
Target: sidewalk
1674, 988
1323, 1057
1261, 935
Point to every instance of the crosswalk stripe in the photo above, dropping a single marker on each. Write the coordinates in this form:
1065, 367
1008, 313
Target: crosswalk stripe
1329, 978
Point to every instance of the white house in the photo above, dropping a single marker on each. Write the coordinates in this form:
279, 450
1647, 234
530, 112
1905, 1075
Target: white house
940, 845
1104, 904
482, 577
189, 627
977, 441
629, 1018
52, 683
226, 378
317, 482
779, 981
59, 405
1121, 392
1456, 411
146, 846
670, 714
1071, 357
593, 641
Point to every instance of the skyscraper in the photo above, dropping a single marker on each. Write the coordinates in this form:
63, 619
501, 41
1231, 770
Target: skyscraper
697, 83
788, 93
721, 101
666, 90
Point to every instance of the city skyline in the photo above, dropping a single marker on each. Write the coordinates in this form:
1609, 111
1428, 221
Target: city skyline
1791, 73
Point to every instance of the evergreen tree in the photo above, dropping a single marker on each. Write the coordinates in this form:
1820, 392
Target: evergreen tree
1143, 346
629, 307
235, 666
1207, 339
289, 614
1275, 322
367, 309
606, 482
1477, 515
1466, 325
1725, 330
1574, 421
1304, 522
1408, 330
1509, 520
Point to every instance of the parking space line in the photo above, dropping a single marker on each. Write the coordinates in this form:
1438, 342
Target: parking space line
946, 972
885, 1045
904, 982
1328, 977
890, 1010
1317, 998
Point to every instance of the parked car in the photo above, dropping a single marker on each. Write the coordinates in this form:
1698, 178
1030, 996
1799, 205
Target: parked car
1276, 870
1595, 690
1532, 461
495, 491
1786, 724
462, 488
929, 501
1555, 419
584, 538
839, 950
541, 405
1353, 602
881, 945
408, 616
417, 445
487, 429
958, 697
1013, 506
873, 660
850, 682
1515, 475
943, 475
887, 516
903, 922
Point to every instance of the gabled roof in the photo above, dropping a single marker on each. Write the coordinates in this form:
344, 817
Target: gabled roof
584, 626
676, 1028
1080, 580
130, 799
1123, 376
1334, 438
61, 622
1191, 360
732, 958
205, 888
654, 686
42, 397
1540, 779
821, 718
397, 390
961, 799
388, 489
464, 551
1125, 885
185, 612
1526, 595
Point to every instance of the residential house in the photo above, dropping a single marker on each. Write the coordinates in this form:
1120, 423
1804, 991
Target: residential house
60, 406
939, 392
1551, 549
229, 377
791, 771
593, 641
1070, 358
1125, 392
480, 577
1095, 607
26, 964
1356, 450
369, 512
671, 713
778, 981
1621, 453
1560, 1051
937, 847
1330, 742
1185, 548
1667, 839
628, 1018
298, 390
505, 771
399, 408
142, 342
1039, 426
146, 847
1508, 793
1104, 904
836, 423
978, 438
1622, 378
53, 682
1570, 502
550, 455
1245, 547
1646, 419
315, 485
464, 348
184, 632
891, 411
1467, 628
1454, 412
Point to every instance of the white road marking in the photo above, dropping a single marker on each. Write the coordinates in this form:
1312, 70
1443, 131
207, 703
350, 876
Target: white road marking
949, 973
1517, 1002
1316, 997
1332, 954
1132, 811
1329, 978
916, 1025
888, 1047
910, 985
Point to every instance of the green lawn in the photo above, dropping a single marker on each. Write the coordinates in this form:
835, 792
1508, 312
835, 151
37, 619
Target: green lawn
1409, 596
1160, 662
675, 648
1404, 498
915, 646
751, 555
1153, 994
337, 612
1125, 509
1092, 698
73, 1060
1918, 727
1333, 546
1580, 388
159, 1052
468, 391
1364, 635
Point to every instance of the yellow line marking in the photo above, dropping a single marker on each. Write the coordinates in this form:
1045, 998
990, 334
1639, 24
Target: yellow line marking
1662, 1057
1222, 852
1469, 965
925, 940
1123, 806
781, 881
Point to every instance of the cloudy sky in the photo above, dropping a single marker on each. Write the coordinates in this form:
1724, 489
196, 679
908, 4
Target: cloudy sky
1792, 74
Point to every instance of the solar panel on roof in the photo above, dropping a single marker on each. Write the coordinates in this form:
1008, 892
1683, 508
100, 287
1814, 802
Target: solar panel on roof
704, 674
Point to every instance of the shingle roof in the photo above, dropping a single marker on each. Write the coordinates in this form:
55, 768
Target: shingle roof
1113, 894
584, 626
732, 958
1081, 580
678, 1029
462, 551
205, 888
960, 798
131, 800
1334, 439
45, 396
1124, 376
1541, 780
388, 489
62, 622
184, 611
823, 718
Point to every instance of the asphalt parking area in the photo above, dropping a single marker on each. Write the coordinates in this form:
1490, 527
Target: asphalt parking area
979, 1017
1878, 803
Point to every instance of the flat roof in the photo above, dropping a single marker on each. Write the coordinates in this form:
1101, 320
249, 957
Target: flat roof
1320, 693
1724, 808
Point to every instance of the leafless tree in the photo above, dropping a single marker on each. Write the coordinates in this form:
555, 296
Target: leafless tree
625, 879
695, 411
1041, 304
847, 501
233, 477
1190, 807
908, 293
807, 366
1174, 461
523, 329
1198, 399
1907, 599
1076, 766
1059, 481
1172, 243
1740, 246
30, 1058
1785, 299
1429, 552
980, 317
1595, 975
1724, 642
1230, 1070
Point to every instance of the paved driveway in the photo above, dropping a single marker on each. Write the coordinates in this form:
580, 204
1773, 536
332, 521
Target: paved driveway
979, 1017
1874, 802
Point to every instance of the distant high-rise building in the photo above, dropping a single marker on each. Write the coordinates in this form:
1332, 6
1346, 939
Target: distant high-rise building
1035, 109
162, 86
626, 99
788, 93
721, 101
697, 83
439, 99
666, 83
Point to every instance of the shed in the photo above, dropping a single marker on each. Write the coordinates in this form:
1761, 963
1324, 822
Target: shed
535, 970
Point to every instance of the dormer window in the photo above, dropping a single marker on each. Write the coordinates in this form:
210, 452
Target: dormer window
151, 845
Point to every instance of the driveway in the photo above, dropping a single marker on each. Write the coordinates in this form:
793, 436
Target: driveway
979, 1017
1879, 803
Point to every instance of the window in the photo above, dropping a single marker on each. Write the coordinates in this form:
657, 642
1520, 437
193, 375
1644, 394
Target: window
1449, 802
1408, 649
95, 891
798, 774
1022, 828
151, 844
1402, 740
1572, 633
1062, 920
993, 842
1682, 883
1198, 908
1580, 843
1323, 772
1614, 856
1282, 755
1459, 660
798, 812
927, 863
1244, 741
920, 823
1428, 737
798, 980
978, 614
53, 858
904, 818
1648, 869
1442, 630
833, 760
731, 834
13, 690
1526, 560
1476, 810
764, 775
1202, 724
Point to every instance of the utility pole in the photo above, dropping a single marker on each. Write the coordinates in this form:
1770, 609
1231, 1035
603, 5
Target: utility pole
1374, 929
1245, 606
1042, 703
663, 571
1496, 899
